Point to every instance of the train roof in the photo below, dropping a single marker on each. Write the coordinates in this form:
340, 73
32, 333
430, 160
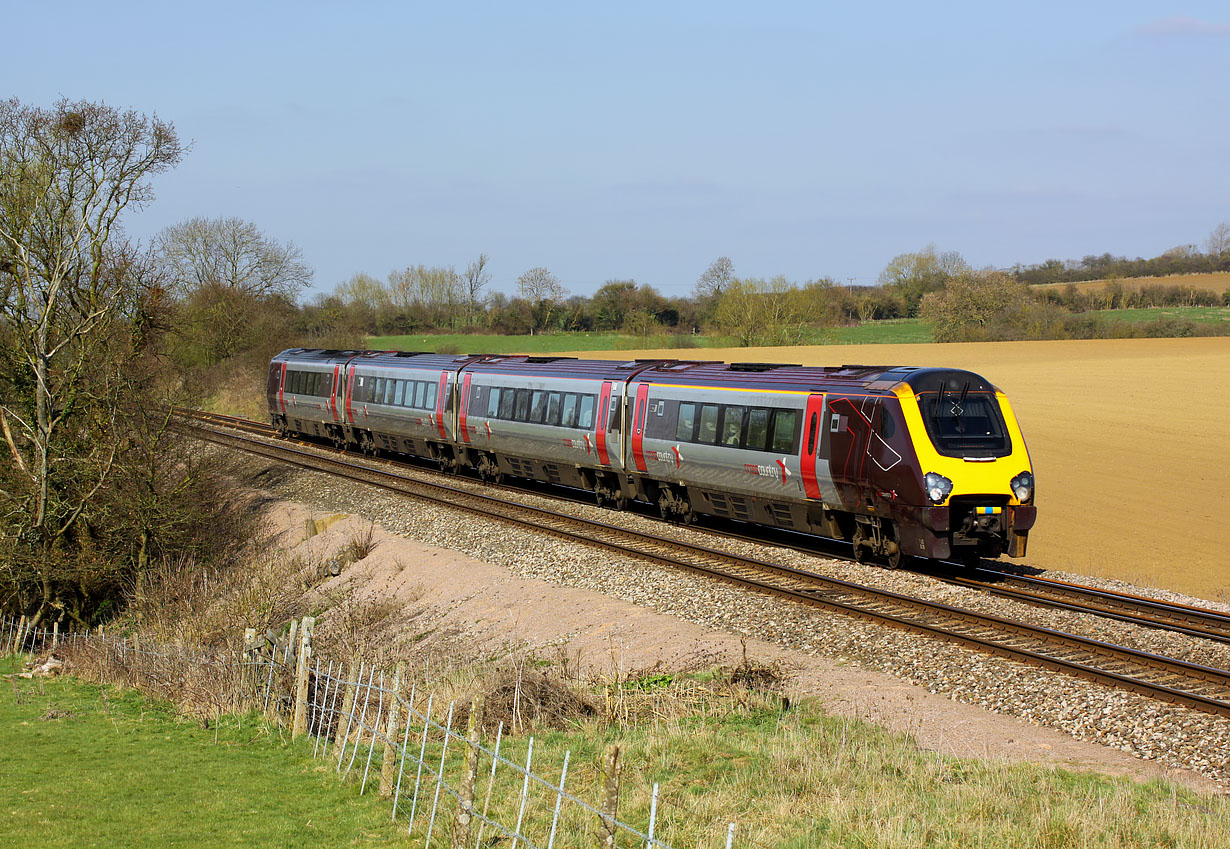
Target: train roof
792, 377
788, 377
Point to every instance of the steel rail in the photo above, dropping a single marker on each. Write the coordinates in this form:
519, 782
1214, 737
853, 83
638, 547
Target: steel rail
1180, 682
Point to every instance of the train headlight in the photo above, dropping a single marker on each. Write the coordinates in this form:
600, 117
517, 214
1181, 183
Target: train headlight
937, 486
1023, 487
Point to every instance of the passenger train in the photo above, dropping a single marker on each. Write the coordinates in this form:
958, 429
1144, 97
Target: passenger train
900, 462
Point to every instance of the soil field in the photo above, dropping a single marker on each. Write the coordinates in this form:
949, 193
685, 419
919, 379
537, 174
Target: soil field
1130, 442
1212, 282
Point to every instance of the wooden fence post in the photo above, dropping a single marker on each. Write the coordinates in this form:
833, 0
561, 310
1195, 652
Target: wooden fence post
302, 676
390, 734
465, 804
610, 799
55, 635
19, 637
347, 706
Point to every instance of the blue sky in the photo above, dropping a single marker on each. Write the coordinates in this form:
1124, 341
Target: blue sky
643, 140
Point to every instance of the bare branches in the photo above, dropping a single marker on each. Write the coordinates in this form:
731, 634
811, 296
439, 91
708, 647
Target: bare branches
231, 253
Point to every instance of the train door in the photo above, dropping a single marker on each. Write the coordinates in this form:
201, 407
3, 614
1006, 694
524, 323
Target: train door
602, 422
638, 426
849, 429
809, 444
282, 389
463, 431
441, 399
333, 392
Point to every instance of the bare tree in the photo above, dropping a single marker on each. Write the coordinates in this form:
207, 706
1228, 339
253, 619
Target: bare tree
913, 275
544, 292
67, 174
716, 279
1219, 240
232, 253
476, 278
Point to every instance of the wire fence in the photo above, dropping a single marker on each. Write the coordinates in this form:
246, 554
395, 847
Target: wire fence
445, 782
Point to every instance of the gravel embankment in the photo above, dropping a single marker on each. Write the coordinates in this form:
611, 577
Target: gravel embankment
1173, 735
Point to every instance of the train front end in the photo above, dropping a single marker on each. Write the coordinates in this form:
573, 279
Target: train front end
974, 472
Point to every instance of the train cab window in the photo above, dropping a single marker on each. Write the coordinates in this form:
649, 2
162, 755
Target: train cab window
568, 410
708, 430
522, 413
538, 406
585, 415
757, 429
732, 425
429, 403
687, 422
886, 424
553, 408
785, 423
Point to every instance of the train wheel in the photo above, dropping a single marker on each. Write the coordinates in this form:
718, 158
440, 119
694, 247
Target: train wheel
862, 547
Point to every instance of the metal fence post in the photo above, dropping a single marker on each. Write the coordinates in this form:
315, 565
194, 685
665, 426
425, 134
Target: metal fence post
390, 733
559, 799
414, 804
653, 817
371, 746
435, 802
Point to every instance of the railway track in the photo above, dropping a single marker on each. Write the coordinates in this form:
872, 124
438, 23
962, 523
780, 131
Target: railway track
1044, 592
1169, 679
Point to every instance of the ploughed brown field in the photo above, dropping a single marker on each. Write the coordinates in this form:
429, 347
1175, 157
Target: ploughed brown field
1129, 438
1213, 282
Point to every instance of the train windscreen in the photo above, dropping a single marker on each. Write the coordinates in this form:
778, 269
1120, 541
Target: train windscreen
966, 424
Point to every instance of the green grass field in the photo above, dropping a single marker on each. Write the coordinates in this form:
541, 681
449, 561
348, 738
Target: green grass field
91, 766
1201, 315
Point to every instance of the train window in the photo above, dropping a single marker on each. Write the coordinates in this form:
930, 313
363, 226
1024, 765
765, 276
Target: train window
811, 434
888, 425
568, 410
377, 389
785, 422
708, 430
420, 395
639, 427
493, 403
399, 394
523, 405
687, 422
613, 423
585, 416
538, 406
732, 425
757, 429
553, 408
429, 402
508, 398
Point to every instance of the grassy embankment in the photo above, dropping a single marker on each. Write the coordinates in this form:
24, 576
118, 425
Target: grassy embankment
92, 766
